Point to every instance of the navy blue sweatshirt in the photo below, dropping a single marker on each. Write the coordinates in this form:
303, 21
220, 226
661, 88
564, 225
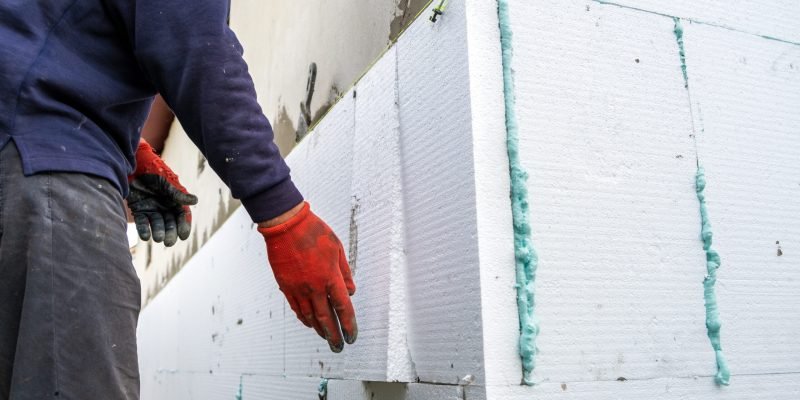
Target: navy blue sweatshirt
77, 78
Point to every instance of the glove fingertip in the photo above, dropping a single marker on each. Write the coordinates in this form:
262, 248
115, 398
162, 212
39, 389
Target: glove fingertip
158, 235
184, 230
181, 197
350, 337
142, 227
184, 223
187, 199
144, 235
170, 239
347, 273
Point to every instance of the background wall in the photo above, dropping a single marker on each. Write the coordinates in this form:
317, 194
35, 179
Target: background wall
410, 169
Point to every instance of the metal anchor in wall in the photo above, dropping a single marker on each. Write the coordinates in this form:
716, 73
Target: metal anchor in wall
304, 121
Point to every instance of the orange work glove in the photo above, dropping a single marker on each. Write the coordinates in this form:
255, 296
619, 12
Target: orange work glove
312, 272
157, 200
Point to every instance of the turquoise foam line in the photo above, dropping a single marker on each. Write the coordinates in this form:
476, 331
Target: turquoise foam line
713, 262
525, 254
323, 389
681, 50
240, 392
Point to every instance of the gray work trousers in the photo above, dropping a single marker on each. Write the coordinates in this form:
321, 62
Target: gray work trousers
69, 296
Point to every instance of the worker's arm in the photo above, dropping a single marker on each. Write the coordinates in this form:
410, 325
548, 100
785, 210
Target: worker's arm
194, 60
157, 125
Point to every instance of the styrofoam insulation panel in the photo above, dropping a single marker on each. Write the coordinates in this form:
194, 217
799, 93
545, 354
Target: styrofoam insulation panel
276, 388
493, 213
377, 227
354, 390
746, 100
628, 142
225, 315
745, 387
188, 385
439, 199
607, 142
771, 18
322, 170
198, 386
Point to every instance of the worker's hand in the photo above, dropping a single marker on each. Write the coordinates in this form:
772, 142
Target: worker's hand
157, 200
312, 272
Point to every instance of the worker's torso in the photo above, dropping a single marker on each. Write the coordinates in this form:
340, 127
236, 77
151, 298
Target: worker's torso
72, 95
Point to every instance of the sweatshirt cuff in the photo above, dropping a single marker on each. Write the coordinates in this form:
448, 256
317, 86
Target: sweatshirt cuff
273, 201
292, 222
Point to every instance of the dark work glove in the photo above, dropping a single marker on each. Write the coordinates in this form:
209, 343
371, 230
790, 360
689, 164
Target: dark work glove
157, 200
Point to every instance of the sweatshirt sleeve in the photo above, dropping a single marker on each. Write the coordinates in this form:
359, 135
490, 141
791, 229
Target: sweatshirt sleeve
194, 60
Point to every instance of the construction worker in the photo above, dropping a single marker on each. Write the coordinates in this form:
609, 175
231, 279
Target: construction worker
77, 78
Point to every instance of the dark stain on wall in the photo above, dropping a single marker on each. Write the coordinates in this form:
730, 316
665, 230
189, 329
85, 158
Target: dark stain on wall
406, 10
284, 131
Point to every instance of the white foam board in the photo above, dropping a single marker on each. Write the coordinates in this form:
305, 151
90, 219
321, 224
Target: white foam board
778, 387
353, 390
771, 18
377, 233
746, 96
607, 142
322, 170
439, 199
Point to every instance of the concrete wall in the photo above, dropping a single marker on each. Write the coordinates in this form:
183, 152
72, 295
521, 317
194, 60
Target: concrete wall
410, 169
